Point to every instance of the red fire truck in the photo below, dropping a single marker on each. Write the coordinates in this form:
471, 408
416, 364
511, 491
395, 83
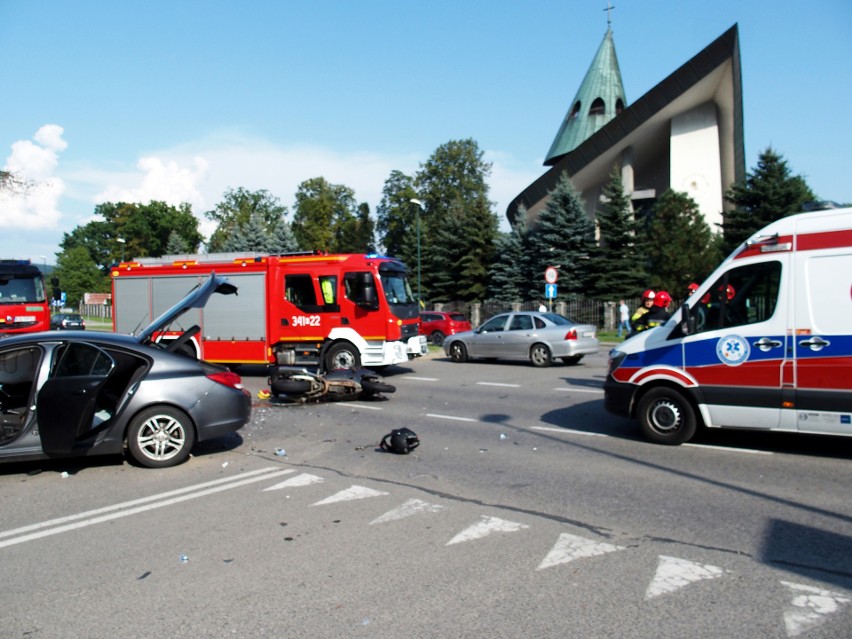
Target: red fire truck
24, 307
339, 311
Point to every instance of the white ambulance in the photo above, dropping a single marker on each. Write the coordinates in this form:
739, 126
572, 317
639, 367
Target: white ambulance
764, 343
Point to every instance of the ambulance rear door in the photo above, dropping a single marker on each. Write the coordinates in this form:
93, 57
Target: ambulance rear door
823, 331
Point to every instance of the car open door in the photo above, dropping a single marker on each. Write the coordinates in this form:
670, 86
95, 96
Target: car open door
66, 405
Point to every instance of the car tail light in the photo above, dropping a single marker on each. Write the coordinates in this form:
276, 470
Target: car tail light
572, 334
227, 378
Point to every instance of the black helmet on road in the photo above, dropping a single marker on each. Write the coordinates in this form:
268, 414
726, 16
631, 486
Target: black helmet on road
401, 441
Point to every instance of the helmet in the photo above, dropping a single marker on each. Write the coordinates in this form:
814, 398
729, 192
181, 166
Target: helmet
648, 295
730, 292
662, 299
401, 441
692, 288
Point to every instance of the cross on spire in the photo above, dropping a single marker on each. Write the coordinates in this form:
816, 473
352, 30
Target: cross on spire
608, 10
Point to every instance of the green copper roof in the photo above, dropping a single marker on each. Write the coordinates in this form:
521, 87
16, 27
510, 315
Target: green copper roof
599, 99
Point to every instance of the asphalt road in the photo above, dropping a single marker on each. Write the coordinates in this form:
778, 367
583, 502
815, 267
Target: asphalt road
527, 511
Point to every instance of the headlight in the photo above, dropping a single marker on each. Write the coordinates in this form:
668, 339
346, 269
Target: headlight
615, 358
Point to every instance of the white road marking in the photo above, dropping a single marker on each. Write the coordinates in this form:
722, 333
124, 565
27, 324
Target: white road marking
233, 482
485, 527
810, 607
498, 384
422, 379
733, 450
570, 547
353, 492
407, 509
304, 479
562, 389
353, 407
568, 430
674, 573
453, 417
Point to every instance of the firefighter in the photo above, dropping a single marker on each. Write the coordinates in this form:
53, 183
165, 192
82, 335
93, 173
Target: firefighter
660, 311
638, 321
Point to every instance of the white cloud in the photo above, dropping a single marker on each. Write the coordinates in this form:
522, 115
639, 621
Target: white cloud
163, 181
36, 206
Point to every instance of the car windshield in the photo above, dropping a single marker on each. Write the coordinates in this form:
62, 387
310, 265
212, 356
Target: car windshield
19, 289
397, 289
559, 320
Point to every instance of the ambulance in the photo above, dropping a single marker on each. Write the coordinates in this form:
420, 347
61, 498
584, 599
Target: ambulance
764, 343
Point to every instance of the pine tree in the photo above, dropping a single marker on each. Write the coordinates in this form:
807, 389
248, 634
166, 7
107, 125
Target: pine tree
283, 240
680, 246
509, 282
768, 194
176, 245
617, 268
563, 237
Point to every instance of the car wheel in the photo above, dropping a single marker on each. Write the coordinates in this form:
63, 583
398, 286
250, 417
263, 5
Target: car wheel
437, 338
574, 359
458, 352
540, 355
160, 437
666, 417
342, 355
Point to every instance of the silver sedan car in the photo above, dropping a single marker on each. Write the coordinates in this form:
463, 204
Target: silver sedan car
539, 337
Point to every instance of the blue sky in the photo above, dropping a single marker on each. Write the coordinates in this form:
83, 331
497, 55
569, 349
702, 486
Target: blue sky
182, 100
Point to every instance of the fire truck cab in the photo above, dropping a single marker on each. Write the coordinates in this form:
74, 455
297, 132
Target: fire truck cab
338, 311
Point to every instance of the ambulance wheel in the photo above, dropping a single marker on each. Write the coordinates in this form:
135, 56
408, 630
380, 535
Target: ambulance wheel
540, 355
666, 417
342, 355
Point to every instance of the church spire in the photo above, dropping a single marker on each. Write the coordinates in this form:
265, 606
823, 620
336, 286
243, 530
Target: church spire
599, 99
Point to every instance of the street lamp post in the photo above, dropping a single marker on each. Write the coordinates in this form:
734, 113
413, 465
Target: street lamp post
419, 207
121, 241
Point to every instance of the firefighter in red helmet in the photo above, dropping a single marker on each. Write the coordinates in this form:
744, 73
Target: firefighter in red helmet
659, 314
639, 320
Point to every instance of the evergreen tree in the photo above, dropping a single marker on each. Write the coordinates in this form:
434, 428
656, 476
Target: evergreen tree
176, 245
769, 193
616, 269
680, 246
250, 236
509, 273
236, 208
563, 237
452, 183
283, 240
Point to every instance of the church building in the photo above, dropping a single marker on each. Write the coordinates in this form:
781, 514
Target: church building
685, 134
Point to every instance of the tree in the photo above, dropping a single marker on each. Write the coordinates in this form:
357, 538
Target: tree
509, 280
283, 240
396, 218
564, 237
78, 274
769, 193
176, 245
680, 246
237, 207
616, 269
457, 223
323, 213
249, 236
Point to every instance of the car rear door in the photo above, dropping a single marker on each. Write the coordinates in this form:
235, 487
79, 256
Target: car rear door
67, 401
518, 338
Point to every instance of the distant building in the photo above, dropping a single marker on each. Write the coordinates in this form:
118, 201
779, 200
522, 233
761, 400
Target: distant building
685, 134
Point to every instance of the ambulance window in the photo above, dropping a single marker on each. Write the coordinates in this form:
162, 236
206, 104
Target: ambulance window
744, 295
299, 290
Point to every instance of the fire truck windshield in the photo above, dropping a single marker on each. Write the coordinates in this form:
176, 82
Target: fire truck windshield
397, 288
20, 289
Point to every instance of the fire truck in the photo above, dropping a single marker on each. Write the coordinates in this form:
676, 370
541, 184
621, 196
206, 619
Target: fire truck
333, 310
24, 307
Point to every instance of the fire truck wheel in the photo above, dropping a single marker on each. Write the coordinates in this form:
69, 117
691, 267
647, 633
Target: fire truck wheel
160, 437
540, 355
666, 416
458, 353
342, 355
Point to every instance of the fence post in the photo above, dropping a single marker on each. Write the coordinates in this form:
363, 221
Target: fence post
475, 310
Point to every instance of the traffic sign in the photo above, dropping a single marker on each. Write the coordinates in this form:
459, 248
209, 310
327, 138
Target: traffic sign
551, 275
550, 291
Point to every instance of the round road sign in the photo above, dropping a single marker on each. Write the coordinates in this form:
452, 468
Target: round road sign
551, 275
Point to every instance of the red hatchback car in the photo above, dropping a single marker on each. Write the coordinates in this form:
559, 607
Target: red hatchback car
437, 325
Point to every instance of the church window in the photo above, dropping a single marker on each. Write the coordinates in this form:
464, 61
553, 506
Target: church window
575, 111
597, 107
